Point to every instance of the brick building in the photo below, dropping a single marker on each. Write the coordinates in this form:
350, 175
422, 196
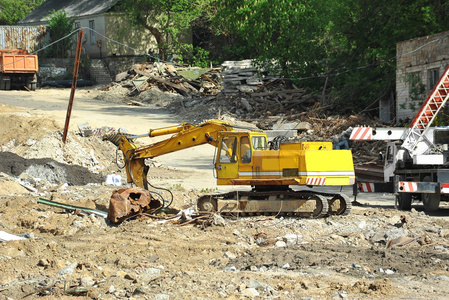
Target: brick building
420, 63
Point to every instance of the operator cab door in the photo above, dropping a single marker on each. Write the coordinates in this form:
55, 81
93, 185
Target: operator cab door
390, 162
227, 160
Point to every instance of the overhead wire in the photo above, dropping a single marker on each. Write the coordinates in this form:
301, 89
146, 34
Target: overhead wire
144, 53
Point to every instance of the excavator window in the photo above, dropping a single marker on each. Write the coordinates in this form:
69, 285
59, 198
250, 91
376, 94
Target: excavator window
228, 150
245, 150
259, 143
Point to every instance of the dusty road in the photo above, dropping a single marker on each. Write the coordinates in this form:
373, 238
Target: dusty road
67, 255
53, 103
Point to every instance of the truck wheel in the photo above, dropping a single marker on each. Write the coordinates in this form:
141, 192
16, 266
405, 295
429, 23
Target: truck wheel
431, 201
404, 201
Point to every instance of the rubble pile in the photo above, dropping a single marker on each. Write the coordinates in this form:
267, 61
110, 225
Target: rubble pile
243, 76
70, 253
238, 88
45, 163
168, 78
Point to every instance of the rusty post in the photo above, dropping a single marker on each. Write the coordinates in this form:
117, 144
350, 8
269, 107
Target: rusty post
75, 76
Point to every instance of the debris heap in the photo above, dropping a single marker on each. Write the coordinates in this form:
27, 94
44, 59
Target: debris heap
168, 78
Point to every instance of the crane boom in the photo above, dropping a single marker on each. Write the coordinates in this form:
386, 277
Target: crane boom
427, 113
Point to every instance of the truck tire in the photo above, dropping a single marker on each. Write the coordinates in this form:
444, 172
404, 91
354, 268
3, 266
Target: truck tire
404, 201
431, 201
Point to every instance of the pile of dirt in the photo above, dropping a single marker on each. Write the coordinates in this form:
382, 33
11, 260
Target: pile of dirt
332, 258
20, 129
32, 150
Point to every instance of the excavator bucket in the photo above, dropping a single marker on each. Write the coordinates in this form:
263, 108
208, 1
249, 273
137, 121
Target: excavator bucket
127, 203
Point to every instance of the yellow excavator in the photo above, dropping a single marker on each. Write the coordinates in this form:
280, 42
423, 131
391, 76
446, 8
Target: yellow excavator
245, 157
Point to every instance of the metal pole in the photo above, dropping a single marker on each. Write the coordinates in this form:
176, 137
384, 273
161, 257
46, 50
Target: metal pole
75, 76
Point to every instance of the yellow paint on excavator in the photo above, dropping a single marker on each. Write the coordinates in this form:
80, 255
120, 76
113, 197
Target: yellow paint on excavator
304, 163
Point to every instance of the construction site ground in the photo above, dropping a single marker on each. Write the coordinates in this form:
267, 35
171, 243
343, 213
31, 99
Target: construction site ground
68, 254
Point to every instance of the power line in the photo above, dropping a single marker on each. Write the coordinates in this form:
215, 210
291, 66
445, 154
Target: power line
284, 78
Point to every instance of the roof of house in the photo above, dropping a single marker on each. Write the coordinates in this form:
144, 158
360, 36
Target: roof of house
73, 8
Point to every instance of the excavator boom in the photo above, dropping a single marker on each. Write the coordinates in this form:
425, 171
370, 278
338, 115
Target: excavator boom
184, 136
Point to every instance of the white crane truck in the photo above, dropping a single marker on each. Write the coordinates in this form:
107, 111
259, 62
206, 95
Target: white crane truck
416, 161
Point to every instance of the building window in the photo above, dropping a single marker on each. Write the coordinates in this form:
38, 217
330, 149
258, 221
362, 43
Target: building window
92, 33
434, 76
77, 25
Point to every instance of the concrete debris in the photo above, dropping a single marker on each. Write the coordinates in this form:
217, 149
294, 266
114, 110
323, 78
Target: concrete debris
168, 78
243, 76
86, 130
6, 237
114, 179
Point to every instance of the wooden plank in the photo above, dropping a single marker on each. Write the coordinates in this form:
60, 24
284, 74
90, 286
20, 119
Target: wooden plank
261, 94
178, 87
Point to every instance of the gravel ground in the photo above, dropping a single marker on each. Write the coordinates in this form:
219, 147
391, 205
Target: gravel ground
376, 252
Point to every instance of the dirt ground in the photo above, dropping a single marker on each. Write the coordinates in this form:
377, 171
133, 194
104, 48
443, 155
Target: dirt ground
66, 254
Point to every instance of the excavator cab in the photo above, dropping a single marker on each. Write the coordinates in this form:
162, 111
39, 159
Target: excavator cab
235, 154
235, 151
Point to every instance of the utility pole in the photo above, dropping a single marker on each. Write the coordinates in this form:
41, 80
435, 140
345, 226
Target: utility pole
75, 77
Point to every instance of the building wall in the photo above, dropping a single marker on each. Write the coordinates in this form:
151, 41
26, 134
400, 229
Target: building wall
126, 41
137, 41
425, 58
93, 42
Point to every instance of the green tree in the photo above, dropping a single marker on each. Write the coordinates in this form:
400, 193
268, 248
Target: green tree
12, 11
352, 43
165, 20
366, 33
287, 32
59, 26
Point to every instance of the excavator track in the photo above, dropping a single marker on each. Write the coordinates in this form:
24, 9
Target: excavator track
291, 203
339, 204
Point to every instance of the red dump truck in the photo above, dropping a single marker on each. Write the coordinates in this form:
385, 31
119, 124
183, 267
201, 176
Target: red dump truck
18, 69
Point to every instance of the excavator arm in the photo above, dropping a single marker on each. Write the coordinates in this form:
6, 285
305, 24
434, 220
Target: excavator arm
183, 136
